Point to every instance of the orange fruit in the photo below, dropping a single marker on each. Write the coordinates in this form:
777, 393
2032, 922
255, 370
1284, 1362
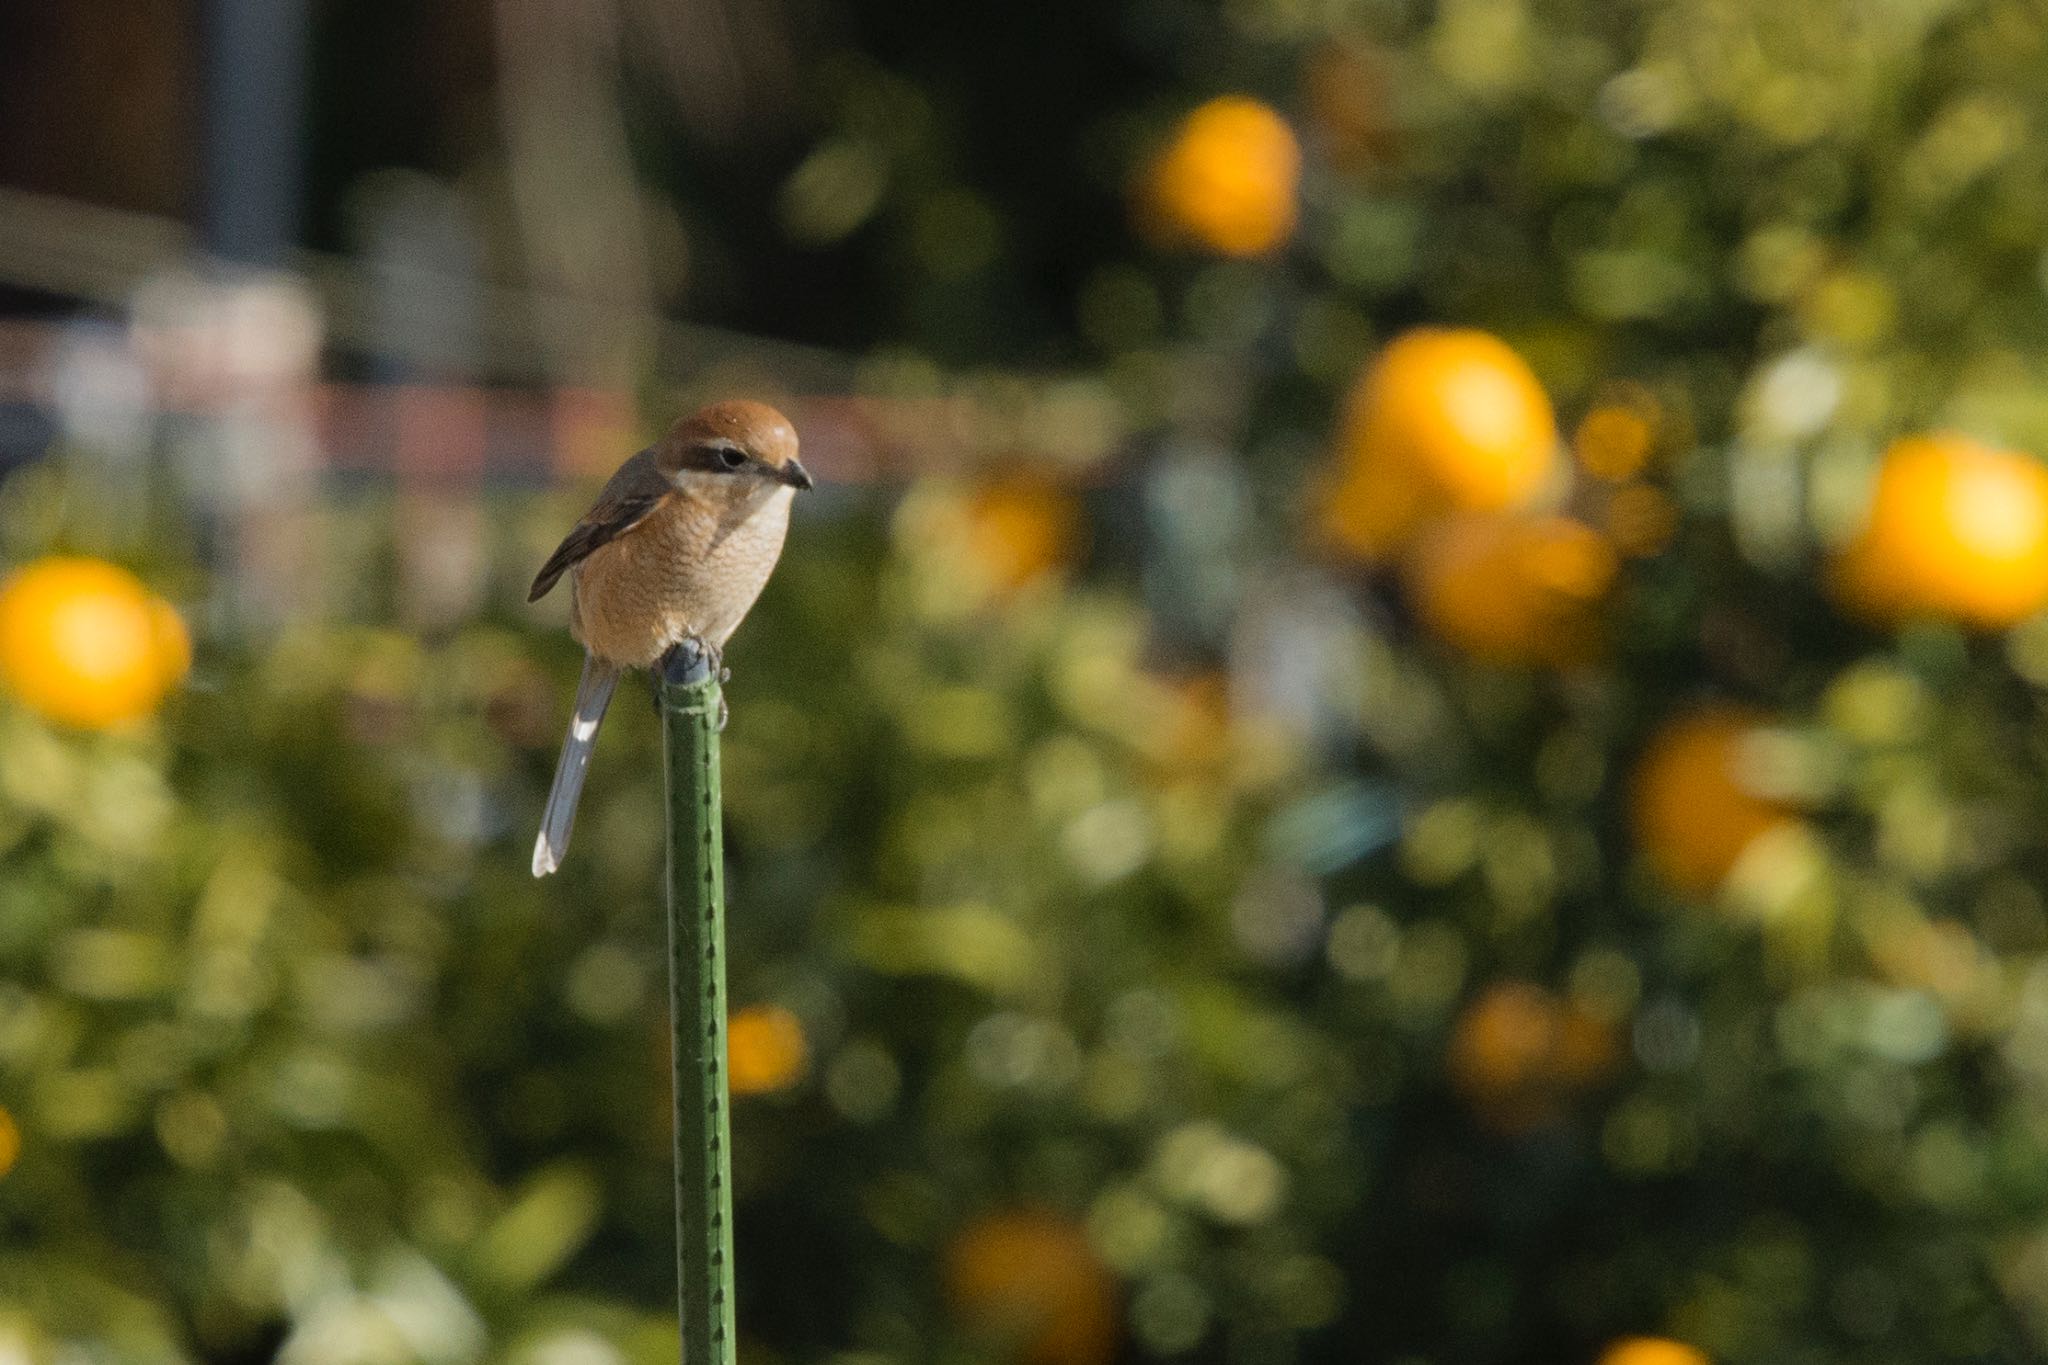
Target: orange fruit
1692, 813
1349, 100
1029, 1279
1226, 181
84, 643
765, 1050
1442, 421
1020, 530
1369, 512
1652, 1351
1957, 530
173, 641
1614, 440
1515, 590
10, 1142
1194, 722
1640, 519
1517, 1054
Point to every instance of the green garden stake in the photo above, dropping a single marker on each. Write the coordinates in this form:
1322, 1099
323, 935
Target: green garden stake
692, 712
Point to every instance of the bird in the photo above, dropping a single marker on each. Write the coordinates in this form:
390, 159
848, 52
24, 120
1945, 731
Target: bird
676, 549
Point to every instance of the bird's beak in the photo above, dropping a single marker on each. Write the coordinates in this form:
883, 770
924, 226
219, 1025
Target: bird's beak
795, 475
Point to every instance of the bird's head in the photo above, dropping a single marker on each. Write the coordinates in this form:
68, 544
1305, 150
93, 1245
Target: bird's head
735, 449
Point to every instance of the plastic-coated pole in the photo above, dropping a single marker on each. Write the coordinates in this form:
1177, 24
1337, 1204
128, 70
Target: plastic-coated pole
691, 713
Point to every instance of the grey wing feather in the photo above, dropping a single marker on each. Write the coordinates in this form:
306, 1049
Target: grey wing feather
628, 498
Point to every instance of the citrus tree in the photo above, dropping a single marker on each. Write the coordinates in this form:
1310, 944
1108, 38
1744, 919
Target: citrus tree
1575, 894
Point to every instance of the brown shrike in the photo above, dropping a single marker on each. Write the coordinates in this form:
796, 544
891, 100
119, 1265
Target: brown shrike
679, 545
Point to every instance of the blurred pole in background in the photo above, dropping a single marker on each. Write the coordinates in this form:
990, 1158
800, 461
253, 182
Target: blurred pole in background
255, 99
267, 335
105, 405
1197, 511
264, 325
421, 257
582, 222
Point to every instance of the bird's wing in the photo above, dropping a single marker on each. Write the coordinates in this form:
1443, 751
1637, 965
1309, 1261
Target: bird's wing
627, 500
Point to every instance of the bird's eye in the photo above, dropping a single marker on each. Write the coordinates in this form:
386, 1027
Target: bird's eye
730, 457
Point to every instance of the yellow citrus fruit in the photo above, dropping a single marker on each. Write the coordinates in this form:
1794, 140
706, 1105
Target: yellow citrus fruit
1640, 519
1957, 530
1614, 440
1371, 510
1019, 530
1194, 731
173, 641
1029, 1279
1442, 421
765, 1050
1692, 813
1348, 94
1515, 590
1652, 1351
1517, 1054
1227, 180
84, 643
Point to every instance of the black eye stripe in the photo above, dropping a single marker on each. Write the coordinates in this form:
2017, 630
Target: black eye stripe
722, 456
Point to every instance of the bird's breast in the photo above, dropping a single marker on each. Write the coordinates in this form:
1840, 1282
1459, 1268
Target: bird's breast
690, 569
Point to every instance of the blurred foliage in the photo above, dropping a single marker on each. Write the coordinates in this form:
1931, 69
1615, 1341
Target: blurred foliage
1515, 832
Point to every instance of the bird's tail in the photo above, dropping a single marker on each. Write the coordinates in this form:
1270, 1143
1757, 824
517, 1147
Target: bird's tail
593, 694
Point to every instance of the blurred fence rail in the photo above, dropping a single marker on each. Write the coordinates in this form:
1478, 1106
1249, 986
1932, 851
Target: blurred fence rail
508, 422
103, 255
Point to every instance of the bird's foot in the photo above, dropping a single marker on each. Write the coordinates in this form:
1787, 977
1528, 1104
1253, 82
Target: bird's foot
715, 661
689, 660
693, 660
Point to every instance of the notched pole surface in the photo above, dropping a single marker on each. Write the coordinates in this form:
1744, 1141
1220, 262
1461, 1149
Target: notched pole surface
691, 711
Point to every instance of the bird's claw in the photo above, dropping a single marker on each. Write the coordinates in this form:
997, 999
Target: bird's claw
689, 661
